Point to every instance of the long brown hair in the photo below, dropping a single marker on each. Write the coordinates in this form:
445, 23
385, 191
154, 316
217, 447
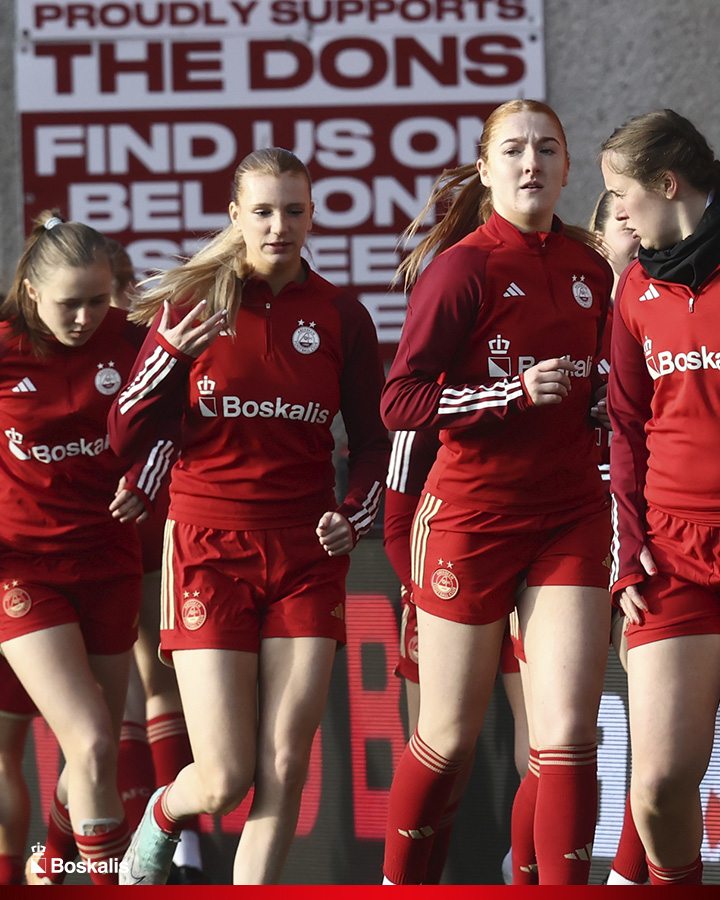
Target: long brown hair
52, 244
646, 147
465, 201
213, 273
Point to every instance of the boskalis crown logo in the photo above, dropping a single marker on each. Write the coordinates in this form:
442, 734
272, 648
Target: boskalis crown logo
650, 360
15, 440
206, 402
499, 363
37, 860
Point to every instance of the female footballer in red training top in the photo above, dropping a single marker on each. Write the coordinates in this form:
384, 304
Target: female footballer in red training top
255, 354
413, 454
497, 349
69, 553
665, 476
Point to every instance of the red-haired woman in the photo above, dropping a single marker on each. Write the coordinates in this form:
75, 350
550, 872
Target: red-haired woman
497, 350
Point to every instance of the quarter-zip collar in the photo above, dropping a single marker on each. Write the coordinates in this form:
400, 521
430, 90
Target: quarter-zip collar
505, 232
692, 261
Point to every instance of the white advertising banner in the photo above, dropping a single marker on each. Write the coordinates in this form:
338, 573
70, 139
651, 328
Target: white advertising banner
135, 114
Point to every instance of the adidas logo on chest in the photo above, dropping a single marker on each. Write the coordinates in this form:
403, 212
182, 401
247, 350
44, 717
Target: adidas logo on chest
24, 387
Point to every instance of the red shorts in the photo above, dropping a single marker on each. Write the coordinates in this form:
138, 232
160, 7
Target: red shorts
467, 565
684, 597
227, 590
101, 592
14, 699
407, 666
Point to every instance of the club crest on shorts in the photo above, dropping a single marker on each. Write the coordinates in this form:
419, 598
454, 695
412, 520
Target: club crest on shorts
16, 601
444, 581
107, 379
581, 292
193, 612
305, 339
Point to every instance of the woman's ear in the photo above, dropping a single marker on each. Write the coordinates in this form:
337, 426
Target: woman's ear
483, 172
31, 292
234, 211
670, 185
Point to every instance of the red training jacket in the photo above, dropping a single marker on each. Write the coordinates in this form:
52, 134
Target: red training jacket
663, 394
58, 473
256, 411
482, 313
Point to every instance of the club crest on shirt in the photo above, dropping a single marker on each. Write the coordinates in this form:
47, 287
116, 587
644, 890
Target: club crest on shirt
16, 601
444, 581
305, 339
581, 292
193, 612
107, 379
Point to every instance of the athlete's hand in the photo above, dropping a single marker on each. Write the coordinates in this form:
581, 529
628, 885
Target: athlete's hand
631, 600
335, 534
127, 506
187, 337
548, 381
599, 408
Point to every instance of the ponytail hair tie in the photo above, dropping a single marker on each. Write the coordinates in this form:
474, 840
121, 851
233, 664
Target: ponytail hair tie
52, 222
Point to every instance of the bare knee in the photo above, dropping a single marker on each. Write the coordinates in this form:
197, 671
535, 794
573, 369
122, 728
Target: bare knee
455, 742
286, 769
222, 791
658, 790
572, 727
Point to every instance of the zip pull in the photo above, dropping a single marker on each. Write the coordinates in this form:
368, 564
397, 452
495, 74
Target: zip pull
691, 304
